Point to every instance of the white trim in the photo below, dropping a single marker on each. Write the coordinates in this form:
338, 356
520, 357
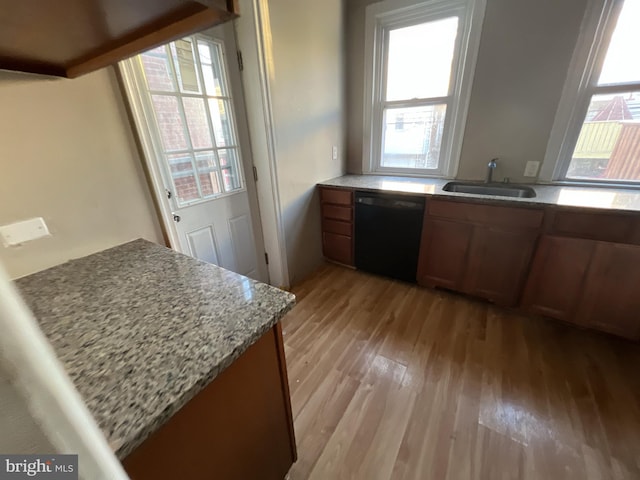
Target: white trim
253, 36
392, 13
586, 63
149, 149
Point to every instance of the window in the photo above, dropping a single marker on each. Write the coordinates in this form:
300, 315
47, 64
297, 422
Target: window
601, 141
188, 100
420, 59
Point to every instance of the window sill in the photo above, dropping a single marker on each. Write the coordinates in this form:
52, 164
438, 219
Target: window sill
588, 184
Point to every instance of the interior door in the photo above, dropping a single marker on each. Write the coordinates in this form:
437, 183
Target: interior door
191, 93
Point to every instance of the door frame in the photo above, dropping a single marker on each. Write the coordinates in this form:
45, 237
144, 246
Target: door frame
253, 39
267, 217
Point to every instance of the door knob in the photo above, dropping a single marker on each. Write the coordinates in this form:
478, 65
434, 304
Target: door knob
176, 218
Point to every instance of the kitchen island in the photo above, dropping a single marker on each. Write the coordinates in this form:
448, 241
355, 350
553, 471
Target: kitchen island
180, 362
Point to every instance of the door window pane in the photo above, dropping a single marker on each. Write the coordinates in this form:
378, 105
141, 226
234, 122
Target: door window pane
185, 65
229, 166
210, 55
207, 173
196, 114
622, 62
608, 147
220, 115
157, 70
413, 136
183, 176
170, 122
419, 60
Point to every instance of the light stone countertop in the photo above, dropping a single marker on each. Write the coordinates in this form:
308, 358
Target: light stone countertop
568, 196
141, 329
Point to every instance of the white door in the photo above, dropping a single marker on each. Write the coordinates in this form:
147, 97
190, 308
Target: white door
192, 112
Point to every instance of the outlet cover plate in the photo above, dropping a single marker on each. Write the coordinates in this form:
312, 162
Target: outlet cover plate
24, 231
531, 170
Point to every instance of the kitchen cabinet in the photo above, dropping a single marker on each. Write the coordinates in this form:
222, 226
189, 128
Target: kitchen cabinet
71, 38
239, 426
337, 224
555, 283
444, 252
498, 263
586, 271
610, 300
481, 250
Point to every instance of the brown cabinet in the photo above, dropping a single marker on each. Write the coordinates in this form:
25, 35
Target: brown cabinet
498, 263
239, 426
611, 296
586, 271
337, 224
586, 282
443, 253
555, 283
482, 250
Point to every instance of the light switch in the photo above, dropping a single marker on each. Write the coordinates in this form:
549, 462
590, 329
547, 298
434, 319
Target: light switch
25, 231
334, 153
531, 170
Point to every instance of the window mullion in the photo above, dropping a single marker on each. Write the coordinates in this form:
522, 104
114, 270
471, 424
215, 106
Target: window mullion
183, 117
416, 102
618, 88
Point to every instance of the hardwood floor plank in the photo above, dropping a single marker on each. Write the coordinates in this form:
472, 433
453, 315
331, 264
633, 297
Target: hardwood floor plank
393, 381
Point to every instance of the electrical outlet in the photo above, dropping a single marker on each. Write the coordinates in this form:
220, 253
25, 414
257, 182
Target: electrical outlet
25, 231
334, 153
531, 170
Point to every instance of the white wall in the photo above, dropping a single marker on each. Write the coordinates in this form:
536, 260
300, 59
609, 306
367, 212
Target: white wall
524, 54
308, 110
20, 434
68, 155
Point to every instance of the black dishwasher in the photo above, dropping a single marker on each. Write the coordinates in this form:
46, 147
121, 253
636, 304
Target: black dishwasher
387, 234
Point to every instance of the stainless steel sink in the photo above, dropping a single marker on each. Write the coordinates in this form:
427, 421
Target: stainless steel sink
497, 189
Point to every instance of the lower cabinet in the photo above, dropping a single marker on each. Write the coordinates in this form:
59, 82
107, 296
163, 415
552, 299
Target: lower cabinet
589, 283
498, 263
443, 253
555, 284
611, 296
472, 249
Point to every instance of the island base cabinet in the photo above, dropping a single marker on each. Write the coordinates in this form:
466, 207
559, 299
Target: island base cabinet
239, 427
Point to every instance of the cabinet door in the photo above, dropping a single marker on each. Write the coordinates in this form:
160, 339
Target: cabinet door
611, 297
498, 263
337, 248
555, 283
443, 253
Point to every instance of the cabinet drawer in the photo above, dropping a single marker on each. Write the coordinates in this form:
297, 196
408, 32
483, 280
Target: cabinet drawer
605, 227
336, 212
337, 248
487, 214
339, 197
337, 226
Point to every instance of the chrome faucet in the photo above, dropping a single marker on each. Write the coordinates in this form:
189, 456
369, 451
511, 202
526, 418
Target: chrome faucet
491, 166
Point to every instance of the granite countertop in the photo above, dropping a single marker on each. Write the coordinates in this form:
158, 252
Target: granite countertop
584, 197
142, 329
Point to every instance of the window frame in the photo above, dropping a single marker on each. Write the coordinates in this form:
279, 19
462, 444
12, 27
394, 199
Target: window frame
391, 14
580, 86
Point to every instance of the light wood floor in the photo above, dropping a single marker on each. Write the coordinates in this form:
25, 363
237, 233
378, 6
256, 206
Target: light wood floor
393, 381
